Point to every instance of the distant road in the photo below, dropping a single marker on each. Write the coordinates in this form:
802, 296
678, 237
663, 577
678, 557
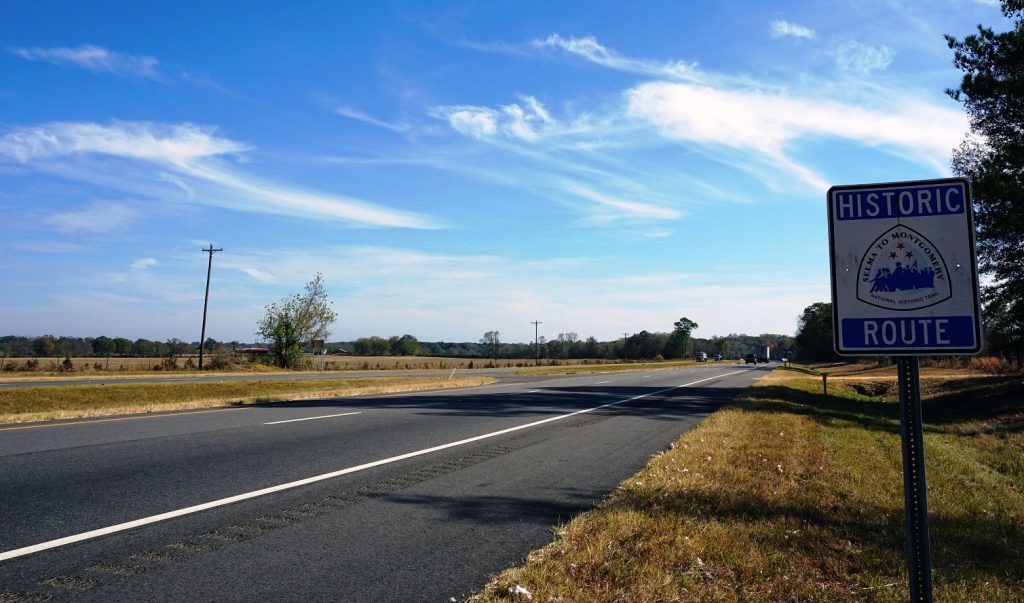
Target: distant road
412, 497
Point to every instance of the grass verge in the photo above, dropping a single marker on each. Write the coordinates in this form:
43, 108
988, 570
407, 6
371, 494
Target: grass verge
48, 403
786, 495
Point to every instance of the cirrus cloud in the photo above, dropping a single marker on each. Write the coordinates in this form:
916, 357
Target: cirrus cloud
95, 59
196, 158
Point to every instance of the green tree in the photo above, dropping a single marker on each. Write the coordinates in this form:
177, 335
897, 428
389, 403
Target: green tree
814, 333
103, 346
44, 346
992, 157
294, 321
406, 345
678, 344
122, 346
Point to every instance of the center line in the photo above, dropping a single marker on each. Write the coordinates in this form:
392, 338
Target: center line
128, 525
344, 414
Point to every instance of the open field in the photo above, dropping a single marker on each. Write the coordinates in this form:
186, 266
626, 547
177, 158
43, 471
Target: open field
48, 403
787, 495
15, 368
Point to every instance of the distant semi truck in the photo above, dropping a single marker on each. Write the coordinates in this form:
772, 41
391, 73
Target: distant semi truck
701, 356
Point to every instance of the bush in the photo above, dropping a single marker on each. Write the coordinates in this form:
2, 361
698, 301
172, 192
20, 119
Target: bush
993, 365
31, 365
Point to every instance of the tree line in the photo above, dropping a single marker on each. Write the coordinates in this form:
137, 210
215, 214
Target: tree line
50, 346
645, 345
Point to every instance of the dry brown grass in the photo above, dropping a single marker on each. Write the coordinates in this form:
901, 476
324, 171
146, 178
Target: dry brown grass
48, 403
787, 496
49, 368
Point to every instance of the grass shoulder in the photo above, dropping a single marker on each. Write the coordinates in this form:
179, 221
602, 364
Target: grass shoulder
788, 495
59, 402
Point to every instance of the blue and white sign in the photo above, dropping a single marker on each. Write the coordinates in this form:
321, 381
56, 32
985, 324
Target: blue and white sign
904, 273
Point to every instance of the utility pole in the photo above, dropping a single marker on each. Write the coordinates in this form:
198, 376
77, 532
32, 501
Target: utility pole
625, 339
209, 267
536, 343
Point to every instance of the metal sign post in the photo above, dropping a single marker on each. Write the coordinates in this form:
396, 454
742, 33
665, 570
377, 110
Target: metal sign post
915, 492
905, 283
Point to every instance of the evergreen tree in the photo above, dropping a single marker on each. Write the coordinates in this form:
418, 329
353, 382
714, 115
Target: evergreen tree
992, 157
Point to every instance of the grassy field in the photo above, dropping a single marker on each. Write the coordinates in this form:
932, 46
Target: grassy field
46, 403
15, 368
786, 495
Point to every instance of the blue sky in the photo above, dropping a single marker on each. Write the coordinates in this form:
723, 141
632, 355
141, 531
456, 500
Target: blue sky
452, 168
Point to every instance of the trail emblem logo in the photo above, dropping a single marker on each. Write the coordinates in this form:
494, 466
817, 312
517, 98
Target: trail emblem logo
902, 270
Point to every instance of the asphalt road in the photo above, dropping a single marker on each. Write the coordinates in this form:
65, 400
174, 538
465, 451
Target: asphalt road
415, 497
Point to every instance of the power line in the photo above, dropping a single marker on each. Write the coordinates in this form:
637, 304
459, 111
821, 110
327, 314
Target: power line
209, 268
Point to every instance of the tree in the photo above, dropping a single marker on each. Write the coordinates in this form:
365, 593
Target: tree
814, 333
992, 157
122, 346
406, 345
44, 346
678, 344
492, 339
294, 321
103, 346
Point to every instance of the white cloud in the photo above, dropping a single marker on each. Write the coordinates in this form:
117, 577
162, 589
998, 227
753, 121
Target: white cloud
192, 152
861, 59
589, 49
782, 28
99, 217
617, 207
259, 275
765, 123
356, 114
177, 144
143, 263
95, 59
513, 120
477, 122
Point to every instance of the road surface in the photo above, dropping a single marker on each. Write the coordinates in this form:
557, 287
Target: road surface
413, 497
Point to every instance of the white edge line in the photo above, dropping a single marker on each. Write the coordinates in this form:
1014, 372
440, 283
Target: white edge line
52, 544
344, 414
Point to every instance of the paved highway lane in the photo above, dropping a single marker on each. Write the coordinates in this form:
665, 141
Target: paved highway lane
410, 497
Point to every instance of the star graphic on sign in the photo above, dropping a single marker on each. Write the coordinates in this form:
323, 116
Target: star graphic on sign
899, 246
910, 254
892, 255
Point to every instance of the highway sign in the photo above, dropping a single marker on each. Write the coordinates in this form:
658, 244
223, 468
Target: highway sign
904, 273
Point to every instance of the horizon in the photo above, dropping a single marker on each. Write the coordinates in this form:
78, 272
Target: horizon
454, 170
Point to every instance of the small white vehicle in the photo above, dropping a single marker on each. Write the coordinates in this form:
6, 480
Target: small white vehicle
701, 356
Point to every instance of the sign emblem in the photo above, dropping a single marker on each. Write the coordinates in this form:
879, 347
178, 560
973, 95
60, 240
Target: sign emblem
902, 270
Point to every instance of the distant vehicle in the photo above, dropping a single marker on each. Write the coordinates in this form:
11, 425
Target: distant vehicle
750, 359
253, 351
718, 357
762, 359
701, 356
